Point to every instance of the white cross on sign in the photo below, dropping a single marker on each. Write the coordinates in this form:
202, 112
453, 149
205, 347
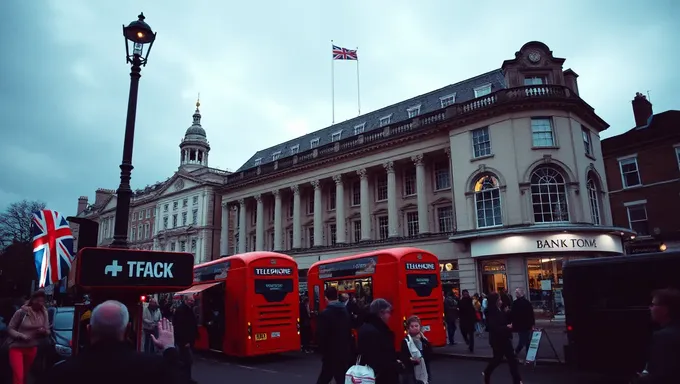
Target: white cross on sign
113, 269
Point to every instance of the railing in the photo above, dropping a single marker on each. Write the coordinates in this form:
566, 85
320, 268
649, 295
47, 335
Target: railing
388, 132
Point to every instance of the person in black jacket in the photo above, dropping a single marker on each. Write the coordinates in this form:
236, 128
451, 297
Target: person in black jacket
334, 336
500, 338
305, 325
523, 320
111, 360
186, 333
376, 343
467, 319
419, 341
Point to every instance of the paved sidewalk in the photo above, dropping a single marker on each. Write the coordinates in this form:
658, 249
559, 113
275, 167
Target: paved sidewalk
555, 331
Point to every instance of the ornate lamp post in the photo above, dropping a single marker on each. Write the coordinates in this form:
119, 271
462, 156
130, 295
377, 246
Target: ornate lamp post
141, 36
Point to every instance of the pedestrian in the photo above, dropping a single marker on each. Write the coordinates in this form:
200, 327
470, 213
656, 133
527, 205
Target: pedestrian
186, 333
467, 320
500, 339
334, 337
663, 363
523, 320
376, 343
416, 352
28, 328
111, 360
451, 316
506, 299
305, 325
151, 317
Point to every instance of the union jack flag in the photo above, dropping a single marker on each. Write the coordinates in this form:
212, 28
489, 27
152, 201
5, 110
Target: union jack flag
52, 246
340, 53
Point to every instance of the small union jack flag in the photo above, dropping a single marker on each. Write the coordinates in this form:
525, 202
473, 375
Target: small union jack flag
52, 246
340, 53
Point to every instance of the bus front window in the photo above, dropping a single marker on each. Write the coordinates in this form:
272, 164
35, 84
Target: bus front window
273, 290
422, 284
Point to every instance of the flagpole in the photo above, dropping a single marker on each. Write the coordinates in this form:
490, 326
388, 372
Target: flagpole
358, 85
333, 82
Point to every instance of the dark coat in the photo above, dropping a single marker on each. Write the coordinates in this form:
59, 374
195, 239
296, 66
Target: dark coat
467, 313
405, 357
497, 325
450, 309
663, 363
334, 333
376, 347
186, 326
522, 315
115, 363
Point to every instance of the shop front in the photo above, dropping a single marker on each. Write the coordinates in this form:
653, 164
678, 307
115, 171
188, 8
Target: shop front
448, 271
534, 261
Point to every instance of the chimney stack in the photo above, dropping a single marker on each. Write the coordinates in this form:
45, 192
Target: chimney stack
642, 109
570, 80
82, 204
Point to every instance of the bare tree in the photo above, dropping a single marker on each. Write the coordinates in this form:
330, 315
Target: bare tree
15, 222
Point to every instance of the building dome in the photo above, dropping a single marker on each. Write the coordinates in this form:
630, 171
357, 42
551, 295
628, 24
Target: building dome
196, 131
194, 147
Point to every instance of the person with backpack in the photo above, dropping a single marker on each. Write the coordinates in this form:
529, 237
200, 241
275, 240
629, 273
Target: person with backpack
451, 316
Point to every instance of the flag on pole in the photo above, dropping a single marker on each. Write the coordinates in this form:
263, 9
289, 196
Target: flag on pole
52, 246
340, 53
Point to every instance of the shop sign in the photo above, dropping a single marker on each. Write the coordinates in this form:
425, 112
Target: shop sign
561, 242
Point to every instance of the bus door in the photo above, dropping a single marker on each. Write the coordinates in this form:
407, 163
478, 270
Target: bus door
212, 305
423, 296
275, 309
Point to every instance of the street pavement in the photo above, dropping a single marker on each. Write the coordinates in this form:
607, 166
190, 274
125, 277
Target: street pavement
300, 368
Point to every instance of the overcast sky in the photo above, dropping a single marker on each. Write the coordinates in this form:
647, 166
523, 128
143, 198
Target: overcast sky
263, 71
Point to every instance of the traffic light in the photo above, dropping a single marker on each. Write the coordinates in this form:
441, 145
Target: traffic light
88, 232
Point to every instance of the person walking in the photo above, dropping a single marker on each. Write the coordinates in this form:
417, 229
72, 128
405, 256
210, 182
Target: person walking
151, 317
468, 318
415, 354
305, 325
523, 320
334, 336
451, 316
376, 343
28, 327
186, 333
500, 338
110, 358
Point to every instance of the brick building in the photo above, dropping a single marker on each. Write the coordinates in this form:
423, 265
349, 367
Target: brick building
643, 174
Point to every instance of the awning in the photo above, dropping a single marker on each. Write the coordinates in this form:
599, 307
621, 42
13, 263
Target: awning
197, 288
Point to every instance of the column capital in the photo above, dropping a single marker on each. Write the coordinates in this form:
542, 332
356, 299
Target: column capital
389, 166
447, 150
417, 160
225, 204
276, 192
362, 173
295, 189
258, 198
316, 184
337, 179
242, 202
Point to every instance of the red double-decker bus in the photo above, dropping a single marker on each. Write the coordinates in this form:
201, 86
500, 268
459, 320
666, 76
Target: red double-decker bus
247, 304
406, 277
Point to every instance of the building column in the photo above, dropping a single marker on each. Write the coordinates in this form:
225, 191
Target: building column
318, 214
242, 234
278, 243
365, 202
339, 209
224, 232
392, 218
259, 225
234, 246
297, 230
421, 186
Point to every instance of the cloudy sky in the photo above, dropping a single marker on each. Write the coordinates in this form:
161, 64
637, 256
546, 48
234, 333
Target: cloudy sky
263, 71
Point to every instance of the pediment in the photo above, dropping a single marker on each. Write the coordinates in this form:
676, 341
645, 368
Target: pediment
380, 211
179, 183
110, 205
409, 207
441, 200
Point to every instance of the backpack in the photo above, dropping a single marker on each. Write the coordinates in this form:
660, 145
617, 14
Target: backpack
360, 374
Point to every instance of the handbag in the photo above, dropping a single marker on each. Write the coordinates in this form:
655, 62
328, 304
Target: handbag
360, 374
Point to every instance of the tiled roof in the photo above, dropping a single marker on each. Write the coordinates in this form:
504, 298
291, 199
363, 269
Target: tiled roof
428, 102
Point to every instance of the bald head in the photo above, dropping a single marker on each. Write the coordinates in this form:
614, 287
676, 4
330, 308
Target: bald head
109, 321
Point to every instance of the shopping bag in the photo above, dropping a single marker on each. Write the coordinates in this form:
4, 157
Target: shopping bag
359, 374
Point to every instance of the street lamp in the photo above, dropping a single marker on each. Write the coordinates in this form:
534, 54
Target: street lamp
139, 34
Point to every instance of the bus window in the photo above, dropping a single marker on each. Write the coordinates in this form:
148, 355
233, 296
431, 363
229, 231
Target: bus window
361, 289
316, 298
273, 290
422, 284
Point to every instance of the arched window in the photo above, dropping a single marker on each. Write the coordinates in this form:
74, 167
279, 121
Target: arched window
593, 198
549, 196
488, 202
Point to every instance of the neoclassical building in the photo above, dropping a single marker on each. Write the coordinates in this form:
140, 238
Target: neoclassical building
501, 176
172, 215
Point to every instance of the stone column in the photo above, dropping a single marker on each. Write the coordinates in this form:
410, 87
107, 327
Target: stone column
318, 213
297, 229
278, 238
339, 209
234, 250
365, 205
421, 186
224, 232
392, 218
242, 234
259, 226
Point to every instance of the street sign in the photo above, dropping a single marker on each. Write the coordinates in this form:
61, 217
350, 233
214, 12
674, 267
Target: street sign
134, 269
